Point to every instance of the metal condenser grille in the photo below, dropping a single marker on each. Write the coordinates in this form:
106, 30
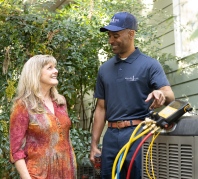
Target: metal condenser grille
172, 158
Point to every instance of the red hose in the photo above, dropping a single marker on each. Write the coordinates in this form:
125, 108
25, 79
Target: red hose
135, 154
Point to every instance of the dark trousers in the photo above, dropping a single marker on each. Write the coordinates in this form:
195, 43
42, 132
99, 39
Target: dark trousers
114, 139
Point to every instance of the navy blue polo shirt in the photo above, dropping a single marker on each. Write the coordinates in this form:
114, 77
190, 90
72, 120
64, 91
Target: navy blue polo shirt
125, 84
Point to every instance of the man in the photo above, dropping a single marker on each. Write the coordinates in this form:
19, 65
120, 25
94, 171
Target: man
128, 86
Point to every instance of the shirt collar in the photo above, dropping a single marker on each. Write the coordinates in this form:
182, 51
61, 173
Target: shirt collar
130, 58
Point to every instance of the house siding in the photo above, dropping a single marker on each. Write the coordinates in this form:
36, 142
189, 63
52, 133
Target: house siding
183, 75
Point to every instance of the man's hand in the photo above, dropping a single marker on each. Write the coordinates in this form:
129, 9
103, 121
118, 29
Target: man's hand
158, 99
94, 151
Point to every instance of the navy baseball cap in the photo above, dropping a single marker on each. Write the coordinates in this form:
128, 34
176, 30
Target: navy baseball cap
121, 21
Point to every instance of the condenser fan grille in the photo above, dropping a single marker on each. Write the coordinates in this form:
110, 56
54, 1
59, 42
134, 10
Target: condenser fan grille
172, 158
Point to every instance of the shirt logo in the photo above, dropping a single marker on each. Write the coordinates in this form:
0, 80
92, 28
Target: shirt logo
131, 78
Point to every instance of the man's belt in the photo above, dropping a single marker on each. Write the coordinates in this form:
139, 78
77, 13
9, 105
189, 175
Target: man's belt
123, 124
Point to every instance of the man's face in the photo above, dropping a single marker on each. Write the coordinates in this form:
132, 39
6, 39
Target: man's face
120, 41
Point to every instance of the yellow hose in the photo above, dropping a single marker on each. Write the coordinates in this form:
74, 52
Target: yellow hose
150, 149
126, 148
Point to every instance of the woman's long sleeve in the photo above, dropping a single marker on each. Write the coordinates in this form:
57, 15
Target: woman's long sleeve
18, 126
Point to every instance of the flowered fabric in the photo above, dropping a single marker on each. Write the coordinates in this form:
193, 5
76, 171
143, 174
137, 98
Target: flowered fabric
43, 141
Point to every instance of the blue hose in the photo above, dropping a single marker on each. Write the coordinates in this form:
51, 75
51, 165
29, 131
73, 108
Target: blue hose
118, 166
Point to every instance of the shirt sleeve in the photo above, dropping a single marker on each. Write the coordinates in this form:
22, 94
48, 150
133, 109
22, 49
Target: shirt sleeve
158, 76
18, 126
99, 89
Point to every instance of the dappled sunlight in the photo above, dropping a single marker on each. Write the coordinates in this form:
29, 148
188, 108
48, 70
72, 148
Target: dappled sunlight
149, 7
186, 69
102, 55
186, 24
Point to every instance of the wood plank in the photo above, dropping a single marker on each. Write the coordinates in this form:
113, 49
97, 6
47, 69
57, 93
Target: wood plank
186, 89
167, 39
161, 4
169, 49
183, 64
183, 76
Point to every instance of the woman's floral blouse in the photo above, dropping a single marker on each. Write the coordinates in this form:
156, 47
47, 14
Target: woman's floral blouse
43, 141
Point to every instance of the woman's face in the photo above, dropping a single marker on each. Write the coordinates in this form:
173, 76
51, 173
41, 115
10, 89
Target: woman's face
49, 75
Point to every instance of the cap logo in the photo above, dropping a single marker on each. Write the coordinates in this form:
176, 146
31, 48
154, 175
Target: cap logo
121, 21
114, 20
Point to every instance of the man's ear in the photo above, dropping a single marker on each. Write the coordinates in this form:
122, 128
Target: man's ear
131, 33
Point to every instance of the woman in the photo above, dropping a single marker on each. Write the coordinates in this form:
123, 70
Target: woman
40, 145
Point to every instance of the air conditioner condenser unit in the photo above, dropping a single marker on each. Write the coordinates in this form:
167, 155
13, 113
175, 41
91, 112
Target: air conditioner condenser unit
174, 154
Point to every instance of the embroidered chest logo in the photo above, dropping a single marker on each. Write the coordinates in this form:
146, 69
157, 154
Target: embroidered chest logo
133, 78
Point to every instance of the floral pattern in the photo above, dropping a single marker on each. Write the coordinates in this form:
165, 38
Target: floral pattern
43, 141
